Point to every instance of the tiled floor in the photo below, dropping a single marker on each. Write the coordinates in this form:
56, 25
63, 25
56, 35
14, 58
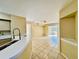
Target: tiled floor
41, 49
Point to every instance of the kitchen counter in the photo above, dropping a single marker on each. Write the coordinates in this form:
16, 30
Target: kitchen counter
14, 49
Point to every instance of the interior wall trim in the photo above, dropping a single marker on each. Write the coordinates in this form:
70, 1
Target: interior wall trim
69, 42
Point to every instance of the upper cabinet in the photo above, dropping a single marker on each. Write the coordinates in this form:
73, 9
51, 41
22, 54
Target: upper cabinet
69, 21
69, 9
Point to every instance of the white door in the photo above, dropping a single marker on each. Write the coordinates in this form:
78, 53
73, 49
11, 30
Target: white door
29, 32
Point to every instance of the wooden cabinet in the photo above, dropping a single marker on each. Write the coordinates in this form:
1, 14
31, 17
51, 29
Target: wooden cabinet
69, 30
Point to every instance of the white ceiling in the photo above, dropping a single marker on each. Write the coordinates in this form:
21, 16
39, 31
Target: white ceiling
34, 10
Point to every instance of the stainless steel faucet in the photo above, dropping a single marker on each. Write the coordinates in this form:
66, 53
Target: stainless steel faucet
14, 33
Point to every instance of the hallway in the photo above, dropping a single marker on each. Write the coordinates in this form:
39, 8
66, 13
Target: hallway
41, 49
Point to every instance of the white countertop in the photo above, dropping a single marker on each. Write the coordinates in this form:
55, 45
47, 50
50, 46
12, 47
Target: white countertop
14, 49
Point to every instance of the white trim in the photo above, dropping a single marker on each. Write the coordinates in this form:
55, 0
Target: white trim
69, 42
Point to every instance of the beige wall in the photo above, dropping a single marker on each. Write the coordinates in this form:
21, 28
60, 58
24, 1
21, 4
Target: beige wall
37, 30
18, 22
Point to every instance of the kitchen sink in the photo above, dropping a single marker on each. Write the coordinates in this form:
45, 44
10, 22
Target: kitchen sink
7, 44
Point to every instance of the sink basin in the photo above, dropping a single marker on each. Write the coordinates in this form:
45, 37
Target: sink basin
7, 44
4, 41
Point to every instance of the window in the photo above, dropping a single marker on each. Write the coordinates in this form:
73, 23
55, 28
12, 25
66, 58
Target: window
4, 25
53, 29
